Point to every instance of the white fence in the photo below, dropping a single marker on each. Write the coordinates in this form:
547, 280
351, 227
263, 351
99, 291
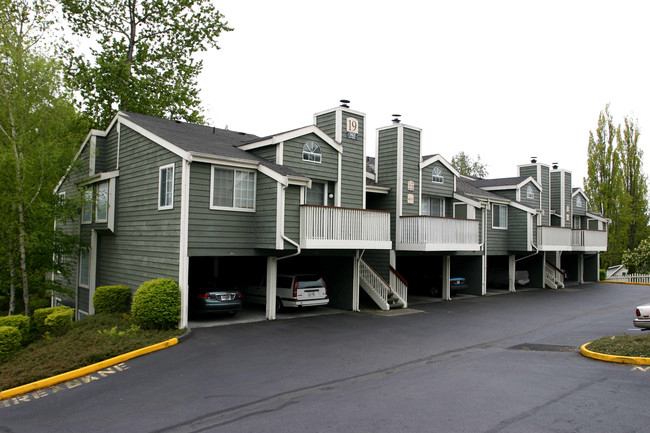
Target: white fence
631, 278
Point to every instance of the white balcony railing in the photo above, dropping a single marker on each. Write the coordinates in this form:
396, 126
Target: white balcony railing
425, 233
589, 240
344, 228
554, 238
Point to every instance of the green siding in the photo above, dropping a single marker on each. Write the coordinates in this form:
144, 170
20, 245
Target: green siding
386, 166
534, 202
327, 123
292, 215
544, 181
266, 152
266, 211
429, 187
517, 229
326, 170
216, 232
146, 240
352, 175
411, 171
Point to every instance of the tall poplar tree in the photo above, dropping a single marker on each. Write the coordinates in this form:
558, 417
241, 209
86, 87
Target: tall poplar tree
144, 58
39, 129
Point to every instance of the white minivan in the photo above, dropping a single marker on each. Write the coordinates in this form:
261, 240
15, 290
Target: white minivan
297, 290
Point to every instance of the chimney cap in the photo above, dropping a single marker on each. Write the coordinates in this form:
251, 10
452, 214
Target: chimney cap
344, 103
555, 165
396, 118
533, 159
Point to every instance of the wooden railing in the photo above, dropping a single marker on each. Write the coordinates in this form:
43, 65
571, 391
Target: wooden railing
341, 228
553, 277
554, 238
399, 286
426, 233
589, 239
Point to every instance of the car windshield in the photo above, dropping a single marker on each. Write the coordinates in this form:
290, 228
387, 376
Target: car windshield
308, 281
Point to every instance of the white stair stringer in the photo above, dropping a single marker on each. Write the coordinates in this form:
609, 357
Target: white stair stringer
377, 288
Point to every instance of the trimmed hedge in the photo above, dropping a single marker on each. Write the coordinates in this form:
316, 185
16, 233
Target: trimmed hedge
59, 321
40, 316
157, 304
19, 321
112, 299
10, 341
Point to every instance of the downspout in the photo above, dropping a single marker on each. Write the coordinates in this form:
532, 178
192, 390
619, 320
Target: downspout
283, 236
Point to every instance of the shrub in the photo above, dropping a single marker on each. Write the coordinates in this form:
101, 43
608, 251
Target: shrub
157, 304
19, 321
40, 315
603, 274
112, 299
59, 321
10, 341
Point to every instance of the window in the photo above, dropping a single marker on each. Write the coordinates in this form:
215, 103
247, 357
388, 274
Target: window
499, 216
577, 222
530, 192
233, 189
578, 201
101, 210
433, 206
437, 175
84, 268
316, 194
87, 209
311, 152
166, 187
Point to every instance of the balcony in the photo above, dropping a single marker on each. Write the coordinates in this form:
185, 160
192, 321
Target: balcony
426, 233
343, 228
554, 238
589, 240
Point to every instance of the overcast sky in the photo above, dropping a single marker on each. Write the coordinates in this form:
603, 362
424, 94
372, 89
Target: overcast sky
505, 80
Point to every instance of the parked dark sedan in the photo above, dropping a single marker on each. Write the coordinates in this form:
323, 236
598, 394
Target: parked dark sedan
215, 300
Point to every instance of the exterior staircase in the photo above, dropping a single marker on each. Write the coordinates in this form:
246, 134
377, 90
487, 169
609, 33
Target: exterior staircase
386, 295
553, 277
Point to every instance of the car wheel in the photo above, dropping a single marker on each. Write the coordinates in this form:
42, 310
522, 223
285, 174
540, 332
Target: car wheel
435, 292
278, 305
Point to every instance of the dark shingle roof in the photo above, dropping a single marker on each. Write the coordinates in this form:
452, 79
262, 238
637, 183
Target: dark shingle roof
469, 189
203, 139
504, 181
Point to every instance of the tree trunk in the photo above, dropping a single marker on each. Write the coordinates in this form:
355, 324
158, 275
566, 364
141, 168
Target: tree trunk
12, 285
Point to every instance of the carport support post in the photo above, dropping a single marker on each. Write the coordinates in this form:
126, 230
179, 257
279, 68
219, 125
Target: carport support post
511, 273
581, 268
355, 281
446, 274
271, 286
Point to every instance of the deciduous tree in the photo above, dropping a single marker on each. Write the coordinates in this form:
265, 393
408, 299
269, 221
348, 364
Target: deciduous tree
144, 60
467, 166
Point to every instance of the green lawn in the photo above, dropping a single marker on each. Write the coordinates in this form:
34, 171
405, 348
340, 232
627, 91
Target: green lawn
90, 340
623, 345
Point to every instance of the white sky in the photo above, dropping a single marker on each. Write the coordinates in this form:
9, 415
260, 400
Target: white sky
505, 80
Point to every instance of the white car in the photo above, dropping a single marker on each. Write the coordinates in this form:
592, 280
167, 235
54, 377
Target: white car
298, 290
642, 317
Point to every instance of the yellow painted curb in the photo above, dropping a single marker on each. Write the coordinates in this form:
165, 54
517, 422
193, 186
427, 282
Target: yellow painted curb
74, 374
625, 282
613, 358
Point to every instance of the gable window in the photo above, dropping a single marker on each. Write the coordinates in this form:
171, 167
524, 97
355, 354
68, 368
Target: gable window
433, 206
232, 189
499, 216
437, 176
87, 209
578, 201
316, 194
166, 187
101, 209
311, 152
530, 192
84, 268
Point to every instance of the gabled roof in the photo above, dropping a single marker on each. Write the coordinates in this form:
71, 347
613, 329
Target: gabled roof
430, 159
469, 189
505, 183
288, 135
200, 140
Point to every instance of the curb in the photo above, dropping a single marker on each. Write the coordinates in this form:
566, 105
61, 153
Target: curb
625, 282
74, 374
613, 358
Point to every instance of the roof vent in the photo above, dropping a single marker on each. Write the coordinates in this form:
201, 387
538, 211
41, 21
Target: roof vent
344, 103
396, 118
555, 166
533, 159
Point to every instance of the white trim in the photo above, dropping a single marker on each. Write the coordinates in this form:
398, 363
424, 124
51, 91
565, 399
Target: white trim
513, 186
160, 170
92, 271
337, 198
377, 189
183, 258
320, 152
443, 161
233, 207
279, 153
100, 177
400, 177
112, 182
289, 135
467, 200
506, 221
279, 215
119, 142
363, 177
91, 133
338, 127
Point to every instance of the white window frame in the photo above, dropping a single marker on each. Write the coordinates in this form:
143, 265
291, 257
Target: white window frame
530, 192
234, 190
323, 198
87, 206
437, 176
496, 211
84, 255
579, 201
311, 152
101, 202
169, 185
